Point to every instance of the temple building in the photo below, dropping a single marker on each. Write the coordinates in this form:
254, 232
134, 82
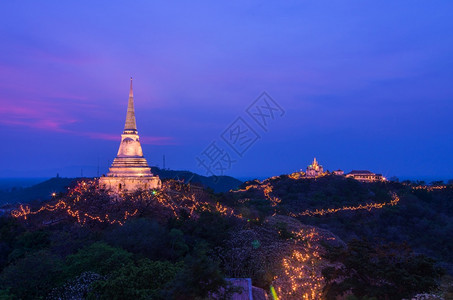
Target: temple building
130, 171
314, 170
338, 172
365, 176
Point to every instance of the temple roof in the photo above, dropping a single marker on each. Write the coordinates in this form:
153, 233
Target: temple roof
360, 172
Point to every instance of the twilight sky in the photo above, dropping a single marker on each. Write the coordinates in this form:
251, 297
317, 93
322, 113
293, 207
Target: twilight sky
364, 84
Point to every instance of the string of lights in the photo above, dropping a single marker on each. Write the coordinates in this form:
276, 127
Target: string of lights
369, 206
300, 276
82, 203
174, 196
267, 190
429, 188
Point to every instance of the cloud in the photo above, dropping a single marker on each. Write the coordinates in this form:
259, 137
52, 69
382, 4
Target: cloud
42, 117
157, 140
35, 115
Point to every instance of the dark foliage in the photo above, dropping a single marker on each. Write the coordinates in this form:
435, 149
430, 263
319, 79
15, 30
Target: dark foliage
383, 271
155, 255
33, 276
419, 211
149, 239
200, 277
99, 258
144, 279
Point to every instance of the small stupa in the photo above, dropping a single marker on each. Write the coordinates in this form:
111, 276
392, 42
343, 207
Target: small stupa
129, 171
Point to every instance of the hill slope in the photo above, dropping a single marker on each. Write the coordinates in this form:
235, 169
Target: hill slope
38, 192
219, 184
43, 191
329, 202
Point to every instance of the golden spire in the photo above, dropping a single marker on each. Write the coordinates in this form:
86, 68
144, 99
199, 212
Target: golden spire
130, 126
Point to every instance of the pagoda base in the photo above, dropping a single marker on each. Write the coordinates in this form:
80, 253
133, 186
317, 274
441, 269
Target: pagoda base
129, 184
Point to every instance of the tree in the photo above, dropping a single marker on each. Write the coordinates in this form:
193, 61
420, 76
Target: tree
141, 236
177, 246
32, 276
145, 279
200, 277
76, 288
387, 271
27, 242
99, 258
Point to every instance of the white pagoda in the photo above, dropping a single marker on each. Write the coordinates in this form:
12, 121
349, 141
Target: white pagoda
130, 171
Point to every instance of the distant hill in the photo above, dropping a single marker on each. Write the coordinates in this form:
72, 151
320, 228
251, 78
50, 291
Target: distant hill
219, 184
43, 191
38, 192
8, 184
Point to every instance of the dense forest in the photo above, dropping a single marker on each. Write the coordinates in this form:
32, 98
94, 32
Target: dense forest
294, 237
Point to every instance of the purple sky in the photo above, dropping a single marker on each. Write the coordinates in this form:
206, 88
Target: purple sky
364, 84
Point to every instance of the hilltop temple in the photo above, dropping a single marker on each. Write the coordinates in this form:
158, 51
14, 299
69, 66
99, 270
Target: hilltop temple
314, 170
130, 171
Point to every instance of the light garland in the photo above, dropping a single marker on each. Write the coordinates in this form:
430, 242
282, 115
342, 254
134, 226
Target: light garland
174, 196
301, 276
429, 188
267, 189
